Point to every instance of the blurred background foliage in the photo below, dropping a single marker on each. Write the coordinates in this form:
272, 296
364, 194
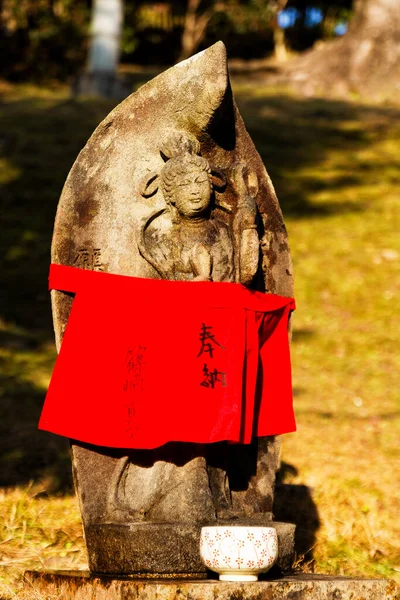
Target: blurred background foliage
44, 39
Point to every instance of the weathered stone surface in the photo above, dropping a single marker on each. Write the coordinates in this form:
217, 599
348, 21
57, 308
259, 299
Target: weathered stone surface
163, 548
119, 212
83, 586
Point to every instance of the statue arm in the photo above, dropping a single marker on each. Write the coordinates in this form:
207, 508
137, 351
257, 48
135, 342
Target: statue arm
247, 243
151, 247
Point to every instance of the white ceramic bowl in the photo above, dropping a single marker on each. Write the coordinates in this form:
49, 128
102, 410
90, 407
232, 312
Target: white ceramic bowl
238, 553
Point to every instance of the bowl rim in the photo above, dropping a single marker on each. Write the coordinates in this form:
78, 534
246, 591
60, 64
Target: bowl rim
231, 527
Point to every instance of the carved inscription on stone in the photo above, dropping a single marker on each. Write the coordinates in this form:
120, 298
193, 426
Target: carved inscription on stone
89, 258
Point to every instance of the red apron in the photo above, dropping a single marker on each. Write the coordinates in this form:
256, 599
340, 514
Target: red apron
144, 362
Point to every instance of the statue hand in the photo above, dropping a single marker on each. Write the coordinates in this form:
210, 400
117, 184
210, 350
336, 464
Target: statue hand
237, 177
201, 263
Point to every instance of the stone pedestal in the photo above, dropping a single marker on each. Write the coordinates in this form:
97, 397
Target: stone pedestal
81, 585
163, 549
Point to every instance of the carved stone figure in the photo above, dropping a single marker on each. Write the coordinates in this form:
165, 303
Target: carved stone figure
186, 240
170, 186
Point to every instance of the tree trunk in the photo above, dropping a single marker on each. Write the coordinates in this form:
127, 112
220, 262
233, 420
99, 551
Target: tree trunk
106, 31
195, 26
366, 60
189, 27
100, 78
280, 50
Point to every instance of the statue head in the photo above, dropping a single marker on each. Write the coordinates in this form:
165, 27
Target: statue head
187, 185
186, 179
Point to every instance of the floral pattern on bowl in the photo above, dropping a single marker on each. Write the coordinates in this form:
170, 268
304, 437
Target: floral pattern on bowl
239, 553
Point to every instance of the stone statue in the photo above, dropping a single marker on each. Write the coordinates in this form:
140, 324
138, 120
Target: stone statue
170, 186
187, 240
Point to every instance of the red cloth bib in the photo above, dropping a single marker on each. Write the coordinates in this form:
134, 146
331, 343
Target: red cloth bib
144, 362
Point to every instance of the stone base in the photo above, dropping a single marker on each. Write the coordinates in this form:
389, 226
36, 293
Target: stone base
81, 585
163, 549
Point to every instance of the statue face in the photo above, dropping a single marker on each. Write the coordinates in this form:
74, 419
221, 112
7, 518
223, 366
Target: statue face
192, 193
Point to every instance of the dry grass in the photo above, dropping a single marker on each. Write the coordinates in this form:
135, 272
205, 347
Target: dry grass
336, 169
37, 532
346, 254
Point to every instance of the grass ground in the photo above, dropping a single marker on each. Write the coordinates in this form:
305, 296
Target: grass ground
335, 166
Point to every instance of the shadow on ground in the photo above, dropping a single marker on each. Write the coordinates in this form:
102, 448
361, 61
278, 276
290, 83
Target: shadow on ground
27, 454
306, 144
39, 140
40, 137
294, 504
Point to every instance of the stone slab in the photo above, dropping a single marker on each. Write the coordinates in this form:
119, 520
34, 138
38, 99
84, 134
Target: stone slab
81, 585
118, 213
163, 548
